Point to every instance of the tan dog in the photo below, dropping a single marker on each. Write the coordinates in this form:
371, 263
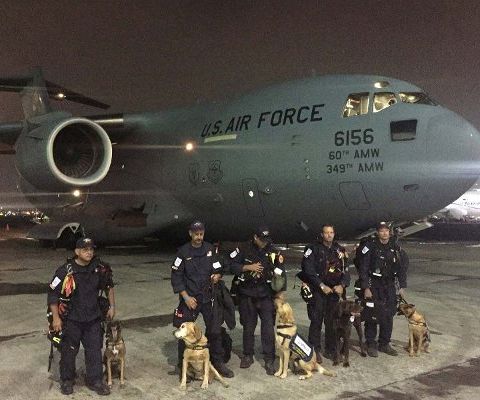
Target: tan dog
285, 329
115, 351
418, 333
196, 356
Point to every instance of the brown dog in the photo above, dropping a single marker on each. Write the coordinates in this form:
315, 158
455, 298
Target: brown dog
285, 330
196, 356
418, 333
115, 351
346, 313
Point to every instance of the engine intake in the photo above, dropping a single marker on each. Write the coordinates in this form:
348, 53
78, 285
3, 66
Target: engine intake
71, 152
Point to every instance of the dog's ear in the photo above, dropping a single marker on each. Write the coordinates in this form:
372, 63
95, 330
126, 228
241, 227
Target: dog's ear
197, 332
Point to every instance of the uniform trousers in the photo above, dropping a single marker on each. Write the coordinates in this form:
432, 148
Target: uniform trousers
91, 336
250, 308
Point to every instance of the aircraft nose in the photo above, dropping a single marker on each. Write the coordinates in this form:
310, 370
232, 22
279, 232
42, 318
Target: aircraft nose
453, 147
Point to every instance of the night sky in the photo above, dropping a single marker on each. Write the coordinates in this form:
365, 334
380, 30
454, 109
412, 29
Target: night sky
152, 55
148, 55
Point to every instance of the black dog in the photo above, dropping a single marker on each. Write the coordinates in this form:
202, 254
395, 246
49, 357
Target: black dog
346, 313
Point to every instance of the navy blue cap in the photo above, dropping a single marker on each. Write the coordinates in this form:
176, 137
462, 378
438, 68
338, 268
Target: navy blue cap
383, 225
263, 233
85, 243
197, 226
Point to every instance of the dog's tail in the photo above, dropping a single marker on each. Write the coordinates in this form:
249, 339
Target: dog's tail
325, 371
218, 376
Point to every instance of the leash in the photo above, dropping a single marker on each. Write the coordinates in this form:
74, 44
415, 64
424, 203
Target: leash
50, 357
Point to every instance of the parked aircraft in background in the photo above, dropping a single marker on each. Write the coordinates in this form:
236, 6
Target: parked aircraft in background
465, 208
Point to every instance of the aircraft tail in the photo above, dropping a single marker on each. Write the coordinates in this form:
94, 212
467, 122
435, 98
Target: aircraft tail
36, 93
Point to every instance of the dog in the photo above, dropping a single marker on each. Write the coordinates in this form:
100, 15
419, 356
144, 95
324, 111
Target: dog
346, 313
285, 330
418, 332
115, 351
196, 356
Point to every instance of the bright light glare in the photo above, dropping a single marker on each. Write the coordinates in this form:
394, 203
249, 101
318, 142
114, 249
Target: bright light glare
76, 193
189, 146
381, 84
60, 95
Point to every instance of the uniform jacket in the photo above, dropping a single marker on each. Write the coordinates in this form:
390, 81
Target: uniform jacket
257, 285
192, 268
381, 264
89, 281
322, 264
223, 308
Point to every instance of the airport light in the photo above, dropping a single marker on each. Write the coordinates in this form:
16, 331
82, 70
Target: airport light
60, 96
189, 146
76, 193
381, 84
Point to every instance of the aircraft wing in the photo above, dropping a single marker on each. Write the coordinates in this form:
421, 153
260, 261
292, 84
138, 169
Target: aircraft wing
403, 229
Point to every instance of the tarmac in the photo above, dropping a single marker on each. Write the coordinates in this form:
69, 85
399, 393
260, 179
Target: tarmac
443, 283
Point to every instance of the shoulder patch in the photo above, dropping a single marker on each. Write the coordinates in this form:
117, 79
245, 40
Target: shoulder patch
55, 282
209, 254
307, 253
177, 262
234, 253
365, 250
217, 265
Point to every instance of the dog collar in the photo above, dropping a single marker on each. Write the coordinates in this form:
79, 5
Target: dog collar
197, 347
417, 323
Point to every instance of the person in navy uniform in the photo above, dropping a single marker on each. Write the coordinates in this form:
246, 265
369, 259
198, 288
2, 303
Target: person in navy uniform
325, 271
73, 302
195, 269
382, 264
261, 276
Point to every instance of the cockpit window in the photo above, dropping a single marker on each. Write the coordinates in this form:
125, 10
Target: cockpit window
416, 98
383, 100
356, 104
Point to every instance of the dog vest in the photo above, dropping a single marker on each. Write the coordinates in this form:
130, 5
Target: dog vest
301, 347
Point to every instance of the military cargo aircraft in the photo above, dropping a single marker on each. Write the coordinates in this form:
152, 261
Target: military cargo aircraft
347, 149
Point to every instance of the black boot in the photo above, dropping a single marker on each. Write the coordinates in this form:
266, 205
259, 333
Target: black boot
269, 367
223, 369
66, 387
387, 349
246, 361
100, 388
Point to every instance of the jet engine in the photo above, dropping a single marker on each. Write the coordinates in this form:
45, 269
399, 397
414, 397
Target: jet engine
72, 152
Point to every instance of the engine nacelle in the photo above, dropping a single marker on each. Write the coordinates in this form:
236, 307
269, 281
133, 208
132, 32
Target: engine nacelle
73, 152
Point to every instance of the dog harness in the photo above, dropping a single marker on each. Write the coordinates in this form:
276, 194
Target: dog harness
285, 336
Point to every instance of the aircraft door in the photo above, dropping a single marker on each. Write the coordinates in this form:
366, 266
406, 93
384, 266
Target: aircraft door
354, 196
251, 196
